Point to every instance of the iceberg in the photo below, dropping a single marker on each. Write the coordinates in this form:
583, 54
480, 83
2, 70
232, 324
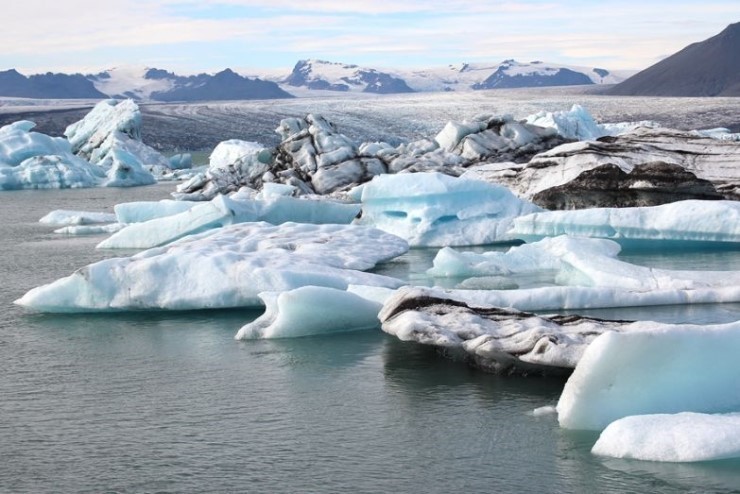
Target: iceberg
141, 211
573, 261
31, 160
64, 217
494, 339
109, 136
653, 369
709, 159
232, 164
223, 211
311, 310
684, 221
433, 209
681, 437
227, 267
574, 124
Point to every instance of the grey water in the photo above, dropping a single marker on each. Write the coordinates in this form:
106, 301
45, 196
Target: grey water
170, 402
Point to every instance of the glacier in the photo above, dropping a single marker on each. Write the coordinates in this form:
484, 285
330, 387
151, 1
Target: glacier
653, 368
433, 209
680, 437
227, 267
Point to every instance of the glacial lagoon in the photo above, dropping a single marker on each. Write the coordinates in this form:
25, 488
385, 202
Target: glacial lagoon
170, 402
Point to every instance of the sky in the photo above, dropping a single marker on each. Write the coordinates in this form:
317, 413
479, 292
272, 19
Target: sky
189, 36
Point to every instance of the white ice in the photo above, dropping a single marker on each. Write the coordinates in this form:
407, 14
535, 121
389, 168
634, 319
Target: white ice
700, 221
223, 211
223, 268
311, 310
653, 368
432, 209
681, 437
64, 217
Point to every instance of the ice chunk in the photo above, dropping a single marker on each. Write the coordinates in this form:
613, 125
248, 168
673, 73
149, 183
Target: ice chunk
311, 310
577, 262
497, 340
653, 368
432, 209
696, 221
574, 124
227, 267
63, 217
106, 118
140, 211
680, 437
223, 211
90, 229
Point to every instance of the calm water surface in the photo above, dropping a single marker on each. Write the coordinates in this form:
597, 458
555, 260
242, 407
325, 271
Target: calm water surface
170, 402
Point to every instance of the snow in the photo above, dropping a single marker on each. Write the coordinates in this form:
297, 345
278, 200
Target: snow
653, 368
130, 80
162, 229
697, 221
64, 217
681, 437
311, 310
432, 209
228, 267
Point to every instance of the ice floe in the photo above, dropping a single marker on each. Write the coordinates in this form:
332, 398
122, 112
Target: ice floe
433, 209
653, 369
221, 211
227, 267
311, 310
680, 437
64, 217
683, 221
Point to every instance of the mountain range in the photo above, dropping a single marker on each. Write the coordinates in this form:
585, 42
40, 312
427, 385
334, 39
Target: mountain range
153, 84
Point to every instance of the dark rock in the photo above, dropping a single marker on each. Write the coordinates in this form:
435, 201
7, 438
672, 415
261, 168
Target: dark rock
607, 186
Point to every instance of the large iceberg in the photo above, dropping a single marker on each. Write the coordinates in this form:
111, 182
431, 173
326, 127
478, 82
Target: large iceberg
227, 267
653, 368
31, 160
432, 209
110, 137
680, 437
684, 221
709, 159
221, 211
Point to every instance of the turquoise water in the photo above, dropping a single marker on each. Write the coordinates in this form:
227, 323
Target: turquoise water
170, 402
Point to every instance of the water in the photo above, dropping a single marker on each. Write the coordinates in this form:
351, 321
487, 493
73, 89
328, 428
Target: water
170, 402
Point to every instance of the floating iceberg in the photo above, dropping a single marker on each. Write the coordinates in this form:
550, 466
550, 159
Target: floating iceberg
653, 368
681, 437
30, 160
223, 268
223, 211
432, 209
110, 137
141, 211
233, 164
311, 310
64, 217
574, 124
575, 261
684, 221
709, 159
494, 339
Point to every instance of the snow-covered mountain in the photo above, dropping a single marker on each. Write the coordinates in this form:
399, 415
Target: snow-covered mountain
159, 85
323, 75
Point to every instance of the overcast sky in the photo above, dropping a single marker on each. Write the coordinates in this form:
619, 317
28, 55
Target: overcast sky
199, 35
